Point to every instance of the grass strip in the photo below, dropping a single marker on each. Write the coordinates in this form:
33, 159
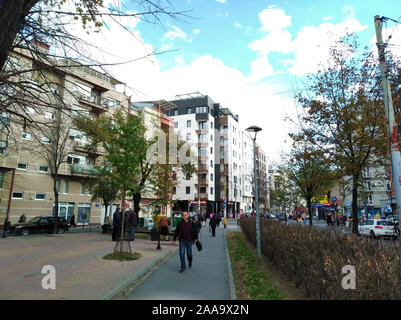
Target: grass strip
251, 282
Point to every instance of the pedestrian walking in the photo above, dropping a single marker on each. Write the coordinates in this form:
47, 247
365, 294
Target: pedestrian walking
328, 219
303, 218
133, 222
164, 227
212, 224
186, 233
116, 225
72, 221
198, 226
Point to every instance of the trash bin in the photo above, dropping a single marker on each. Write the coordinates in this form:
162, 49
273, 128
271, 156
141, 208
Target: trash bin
154, 234
176, 220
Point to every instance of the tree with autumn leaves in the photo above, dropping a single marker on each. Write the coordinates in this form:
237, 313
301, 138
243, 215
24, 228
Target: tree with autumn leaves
343, 113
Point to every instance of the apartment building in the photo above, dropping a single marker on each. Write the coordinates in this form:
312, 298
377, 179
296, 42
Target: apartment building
196, 121
26, 183
261, 167
374, 196
247, 172
231, 178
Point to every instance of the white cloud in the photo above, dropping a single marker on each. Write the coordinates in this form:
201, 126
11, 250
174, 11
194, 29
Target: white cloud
274, 19
221, 1
175, 33
197, 31
238, 25
311, 44
327, 18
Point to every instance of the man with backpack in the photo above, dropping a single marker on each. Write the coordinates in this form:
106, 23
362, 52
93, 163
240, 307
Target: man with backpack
186, 233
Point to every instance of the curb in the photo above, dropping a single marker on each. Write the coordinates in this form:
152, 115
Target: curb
140, 274
233, 295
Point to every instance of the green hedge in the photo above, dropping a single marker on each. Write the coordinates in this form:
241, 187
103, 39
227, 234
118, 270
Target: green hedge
313, 259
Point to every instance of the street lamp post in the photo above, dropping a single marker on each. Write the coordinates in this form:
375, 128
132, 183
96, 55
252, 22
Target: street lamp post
258, 248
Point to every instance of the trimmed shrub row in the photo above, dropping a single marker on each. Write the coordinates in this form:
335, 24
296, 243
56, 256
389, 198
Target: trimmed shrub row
313, 258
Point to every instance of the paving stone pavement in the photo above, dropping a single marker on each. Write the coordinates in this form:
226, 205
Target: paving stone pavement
81, 271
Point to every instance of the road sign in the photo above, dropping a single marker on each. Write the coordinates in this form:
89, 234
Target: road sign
334, 199
224, 204
388, 209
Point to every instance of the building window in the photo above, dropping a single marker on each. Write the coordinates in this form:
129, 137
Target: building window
40, 196
18, 195
22, 166
211, 190
29, 110
211, 150
189, 110
46, 140
174, 176
176, 112
203, 125
187, 190
44, 169
188, 123
188, 136
188, 177
202, 190
84, 212
370, 199
211, 163
176, 124
1, 179
211, 177
211, 137
66, 186
202, 109
174, 190
26, 136
211, 124
202, 151
58, 185
82, 189
49, 115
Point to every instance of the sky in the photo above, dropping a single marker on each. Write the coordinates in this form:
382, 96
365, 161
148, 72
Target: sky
248, 56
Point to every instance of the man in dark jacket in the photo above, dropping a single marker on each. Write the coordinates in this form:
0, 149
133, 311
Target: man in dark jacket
213, 223
116, 225
133, 222
186, 232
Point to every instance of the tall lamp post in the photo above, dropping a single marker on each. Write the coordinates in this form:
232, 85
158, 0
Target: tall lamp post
256, 129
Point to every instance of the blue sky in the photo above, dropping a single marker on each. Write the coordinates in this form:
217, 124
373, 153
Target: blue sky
243, 54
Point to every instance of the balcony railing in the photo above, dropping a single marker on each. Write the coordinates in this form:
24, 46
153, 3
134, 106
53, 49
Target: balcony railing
98, 100
83, 168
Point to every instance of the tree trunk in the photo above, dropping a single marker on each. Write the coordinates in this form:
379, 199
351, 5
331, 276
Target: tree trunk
55, 203
12, 16
137, 199
106, 205
355, 217
123, 195
309, 204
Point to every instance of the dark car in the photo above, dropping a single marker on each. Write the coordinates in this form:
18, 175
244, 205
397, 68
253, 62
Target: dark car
40, 224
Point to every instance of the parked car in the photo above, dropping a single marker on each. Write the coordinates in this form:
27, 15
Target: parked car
377, 228
271, 216
40, 224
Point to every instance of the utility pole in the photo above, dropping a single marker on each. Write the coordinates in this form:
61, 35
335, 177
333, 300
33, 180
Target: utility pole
395, 156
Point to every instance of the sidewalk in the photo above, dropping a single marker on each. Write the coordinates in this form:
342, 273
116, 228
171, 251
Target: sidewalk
209, 278
81, 271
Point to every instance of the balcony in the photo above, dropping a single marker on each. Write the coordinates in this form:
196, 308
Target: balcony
203, 196
84, 169
98, 103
